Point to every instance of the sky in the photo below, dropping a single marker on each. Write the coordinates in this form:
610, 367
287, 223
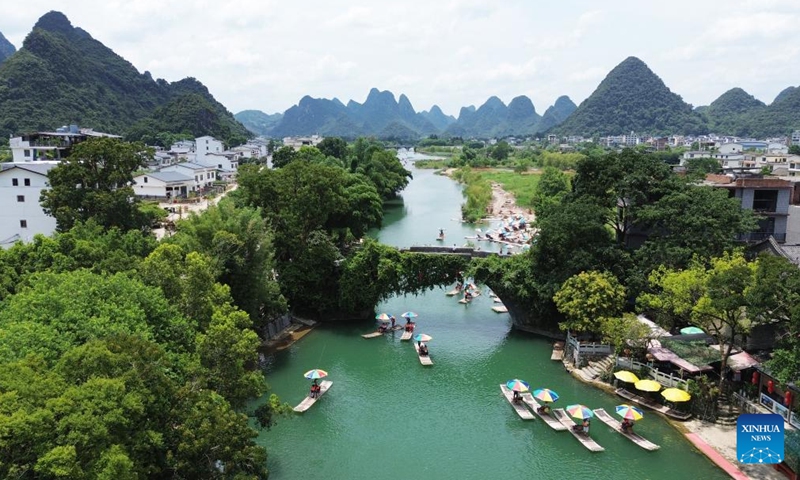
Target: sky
267, 54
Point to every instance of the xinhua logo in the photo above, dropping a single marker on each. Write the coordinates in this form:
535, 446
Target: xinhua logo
759, 438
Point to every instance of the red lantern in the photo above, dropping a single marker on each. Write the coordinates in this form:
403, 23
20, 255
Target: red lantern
755, 378
787, 399
770, 387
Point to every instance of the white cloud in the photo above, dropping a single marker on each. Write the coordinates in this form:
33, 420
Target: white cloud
266, 54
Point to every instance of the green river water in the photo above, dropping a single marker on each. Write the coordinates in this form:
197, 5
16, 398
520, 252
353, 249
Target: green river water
388, 417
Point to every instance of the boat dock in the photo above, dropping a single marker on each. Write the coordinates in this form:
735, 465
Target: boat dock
585, 440
670, 412
307, 402
612, 422
558, 351
423, 359
523, 412
548, 419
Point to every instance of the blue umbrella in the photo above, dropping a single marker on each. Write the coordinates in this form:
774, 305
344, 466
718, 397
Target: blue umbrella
409, 315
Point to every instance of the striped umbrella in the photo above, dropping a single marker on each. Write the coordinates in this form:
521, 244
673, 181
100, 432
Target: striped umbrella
629, 412
409, 315
545, 395
383, 316
580, 411
316, 373
518, 385
421, 337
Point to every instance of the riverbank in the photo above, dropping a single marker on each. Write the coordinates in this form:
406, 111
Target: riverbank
717, 442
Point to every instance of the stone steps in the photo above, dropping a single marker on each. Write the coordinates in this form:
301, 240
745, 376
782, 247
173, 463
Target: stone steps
596, 369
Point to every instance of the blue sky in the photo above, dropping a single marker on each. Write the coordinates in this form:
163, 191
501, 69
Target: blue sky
267, 54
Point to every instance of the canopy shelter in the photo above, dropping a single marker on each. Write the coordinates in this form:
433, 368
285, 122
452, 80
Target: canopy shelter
663, 354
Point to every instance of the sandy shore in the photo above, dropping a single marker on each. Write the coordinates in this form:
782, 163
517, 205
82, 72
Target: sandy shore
504, 205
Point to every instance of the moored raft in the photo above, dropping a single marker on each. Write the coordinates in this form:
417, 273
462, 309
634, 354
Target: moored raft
612, 422
585, 440
309, 401
423, 359
407, 335
523, 412
548, 419
670, 412
378, 333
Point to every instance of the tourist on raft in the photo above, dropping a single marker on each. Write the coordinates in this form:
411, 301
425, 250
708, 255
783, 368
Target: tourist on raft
423, 349
544, 409
627, 425
382, 328
409, 325
393, 321
315, 388
517, 397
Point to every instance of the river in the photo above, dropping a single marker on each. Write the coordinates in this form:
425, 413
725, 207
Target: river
388, 417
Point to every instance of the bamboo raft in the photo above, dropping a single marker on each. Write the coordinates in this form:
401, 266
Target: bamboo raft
407, 335
423, 359
612, 422
308, 401
500, 309
378, 333
670, 412
548, 419
585, 440
523, 412
558, 351
453, 292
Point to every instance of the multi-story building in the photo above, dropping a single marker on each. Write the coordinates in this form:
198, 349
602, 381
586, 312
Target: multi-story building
297, 142
767, 197
50, 146
21, 214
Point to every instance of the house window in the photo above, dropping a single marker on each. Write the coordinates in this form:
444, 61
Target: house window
145, 179
20, 198
15, 182
23, 224
27, 182
219, 165
27, 153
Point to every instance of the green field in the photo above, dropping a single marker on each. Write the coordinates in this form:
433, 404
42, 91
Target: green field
522, 186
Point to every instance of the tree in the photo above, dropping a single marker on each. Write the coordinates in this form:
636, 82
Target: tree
588, 299
625, 332
698, 168
715, 298
553, 186
94, 182
283, 156
333, 147
501, 150
794, 150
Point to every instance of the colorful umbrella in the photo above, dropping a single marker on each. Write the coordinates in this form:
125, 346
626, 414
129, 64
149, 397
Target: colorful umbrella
409, 315
518, 385
545, 395
648, 386
580, 411
691, 330
316, 373
421, 337
676, 395
383, 316
629, 412
626, 376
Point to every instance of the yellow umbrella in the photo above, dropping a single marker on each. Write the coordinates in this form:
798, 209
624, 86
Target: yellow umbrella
648, 386
676, 395
626, 376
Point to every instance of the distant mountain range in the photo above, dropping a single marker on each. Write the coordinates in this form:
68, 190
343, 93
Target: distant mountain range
6, 48
382, 116
62, 75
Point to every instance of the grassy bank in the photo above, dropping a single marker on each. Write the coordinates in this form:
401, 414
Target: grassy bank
521, 186
478, 189
431, 164
438, 151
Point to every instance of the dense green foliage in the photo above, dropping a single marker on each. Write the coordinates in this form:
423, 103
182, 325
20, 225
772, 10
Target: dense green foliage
94, 182
61, 76
633, 99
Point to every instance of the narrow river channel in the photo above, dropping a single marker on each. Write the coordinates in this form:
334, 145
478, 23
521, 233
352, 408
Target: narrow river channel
388, 417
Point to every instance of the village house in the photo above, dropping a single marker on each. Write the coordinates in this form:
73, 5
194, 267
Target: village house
163, 184
21, 214
297, 142
50, 146
204, 176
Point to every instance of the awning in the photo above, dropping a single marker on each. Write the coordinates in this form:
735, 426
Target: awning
666, 355
741, 361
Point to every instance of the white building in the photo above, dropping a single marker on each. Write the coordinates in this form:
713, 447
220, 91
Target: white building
250, 150
297, 142
163, 184
796, 137
207, 145
204, 176
50, 146
21, 215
